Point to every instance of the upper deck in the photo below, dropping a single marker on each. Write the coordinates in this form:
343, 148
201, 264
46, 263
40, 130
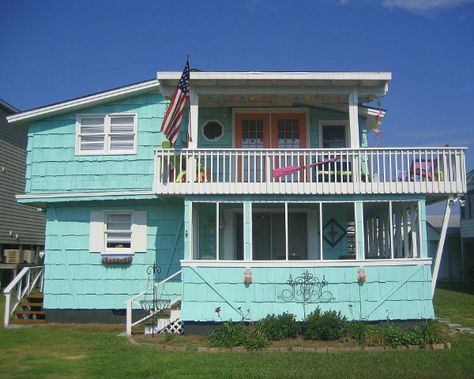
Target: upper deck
430, 171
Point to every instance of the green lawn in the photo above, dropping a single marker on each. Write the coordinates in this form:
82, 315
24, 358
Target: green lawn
73, 352
455, 301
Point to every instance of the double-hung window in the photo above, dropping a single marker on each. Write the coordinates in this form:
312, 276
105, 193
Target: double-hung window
114, 133
118, 232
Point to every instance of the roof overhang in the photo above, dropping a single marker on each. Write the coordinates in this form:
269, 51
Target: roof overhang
369, 84
83, 102
8, 107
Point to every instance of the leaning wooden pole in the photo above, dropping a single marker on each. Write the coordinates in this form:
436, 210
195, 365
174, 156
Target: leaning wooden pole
439, 252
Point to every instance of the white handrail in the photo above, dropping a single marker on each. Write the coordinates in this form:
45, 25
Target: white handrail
129, 303
425, 170
20, 286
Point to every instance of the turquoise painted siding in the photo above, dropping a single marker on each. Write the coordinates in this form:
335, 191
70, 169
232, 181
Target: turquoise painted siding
52, 165
390, 292
76, 278
206, 114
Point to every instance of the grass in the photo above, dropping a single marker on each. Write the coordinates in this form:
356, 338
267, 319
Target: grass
59, 351
455, 302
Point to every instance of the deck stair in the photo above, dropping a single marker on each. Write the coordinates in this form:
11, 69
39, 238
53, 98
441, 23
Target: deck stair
160, 312
24, 298
29, 310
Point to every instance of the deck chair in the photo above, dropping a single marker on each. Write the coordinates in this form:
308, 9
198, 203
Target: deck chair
423, 168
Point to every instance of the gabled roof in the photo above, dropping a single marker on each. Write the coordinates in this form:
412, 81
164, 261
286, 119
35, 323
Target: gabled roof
84, 101
8, 107
369, 83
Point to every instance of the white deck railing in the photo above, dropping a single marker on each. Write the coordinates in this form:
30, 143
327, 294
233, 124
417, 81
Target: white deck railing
354, 171
136, 302
20, 286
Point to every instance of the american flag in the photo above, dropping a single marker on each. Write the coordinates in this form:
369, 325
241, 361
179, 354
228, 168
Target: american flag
174, 113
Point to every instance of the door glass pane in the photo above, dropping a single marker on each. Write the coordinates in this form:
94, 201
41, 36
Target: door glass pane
288, 134
252, 138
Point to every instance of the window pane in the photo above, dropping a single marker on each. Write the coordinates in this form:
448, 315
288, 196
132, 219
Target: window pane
334, 136
121, 120
119, 230
93, 120
96, 129
122, 142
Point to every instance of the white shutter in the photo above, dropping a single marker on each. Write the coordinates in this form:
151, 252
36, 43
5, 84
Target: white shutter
96, 234
139, 232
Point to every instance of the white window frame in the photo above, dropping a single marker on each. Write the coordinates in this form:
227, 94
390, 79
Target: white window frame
107, 134
323, 123
119, 251
98, 238
204, 135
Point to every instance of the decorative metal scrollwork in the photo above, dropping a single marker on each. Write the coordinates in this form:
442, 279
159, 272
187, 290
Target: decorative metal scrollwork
306, 288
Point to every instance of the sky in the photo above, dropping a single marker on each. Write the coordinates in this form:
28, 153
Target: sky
52, 51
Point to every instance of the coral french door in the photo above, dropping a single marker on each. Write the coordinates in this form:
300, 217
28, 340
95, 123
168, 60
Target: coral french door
268, 130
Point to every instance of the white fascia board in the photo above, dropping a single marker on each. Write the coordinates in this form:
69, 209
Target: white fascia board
82, 102
314, 263
197, 75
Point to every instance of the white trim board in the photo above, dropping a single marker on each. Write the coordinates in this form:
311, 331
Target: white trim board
306, 264
40, 196
283, 75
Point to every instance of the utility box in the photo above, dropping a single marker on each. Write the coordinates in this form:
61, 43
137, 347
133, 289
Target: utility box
30, 256
13, 256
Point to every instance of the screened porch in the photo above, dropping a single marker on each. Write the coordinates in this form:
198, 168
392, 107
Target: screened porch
304, 231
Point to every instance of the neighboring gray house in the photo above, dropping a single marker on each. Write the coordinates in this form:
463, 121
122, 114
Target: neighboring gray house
21, 226
451, 267
467, 228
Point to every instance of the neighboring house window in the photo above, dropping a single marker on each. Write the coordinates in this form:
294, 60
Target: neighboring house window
118, 232
106, 134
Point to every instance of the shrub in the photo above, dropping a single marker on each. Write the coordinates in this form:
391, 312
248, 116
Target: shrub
255, 338
416, 335
228, 334
325, 326
279, 327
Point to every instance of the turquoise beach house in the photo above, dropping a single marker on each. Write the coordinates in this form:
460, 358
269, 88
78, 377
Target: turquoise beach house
343, 228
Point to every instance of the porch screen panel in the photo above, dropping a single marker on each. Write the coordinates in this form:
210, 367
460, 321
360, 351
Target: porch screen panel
406, 234
252, 138
268, 232
205, 231
297, 236
377, 230
231, 232
339, 238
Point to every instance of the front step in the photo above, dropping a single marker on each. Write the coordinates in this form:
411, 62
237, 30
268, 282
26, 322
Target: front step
26, 321
30, 310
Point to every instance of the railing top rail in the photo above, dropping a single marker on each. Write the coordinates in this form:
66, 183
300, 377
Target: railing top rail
157, 285
169, 278
172, 151
18, 278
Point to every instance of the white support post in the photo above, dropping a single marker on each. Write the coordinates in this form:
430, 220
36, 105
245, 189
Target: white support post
354, 118
439, 251
286, 231
129, 318
217, 232
354, 131
193, 119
